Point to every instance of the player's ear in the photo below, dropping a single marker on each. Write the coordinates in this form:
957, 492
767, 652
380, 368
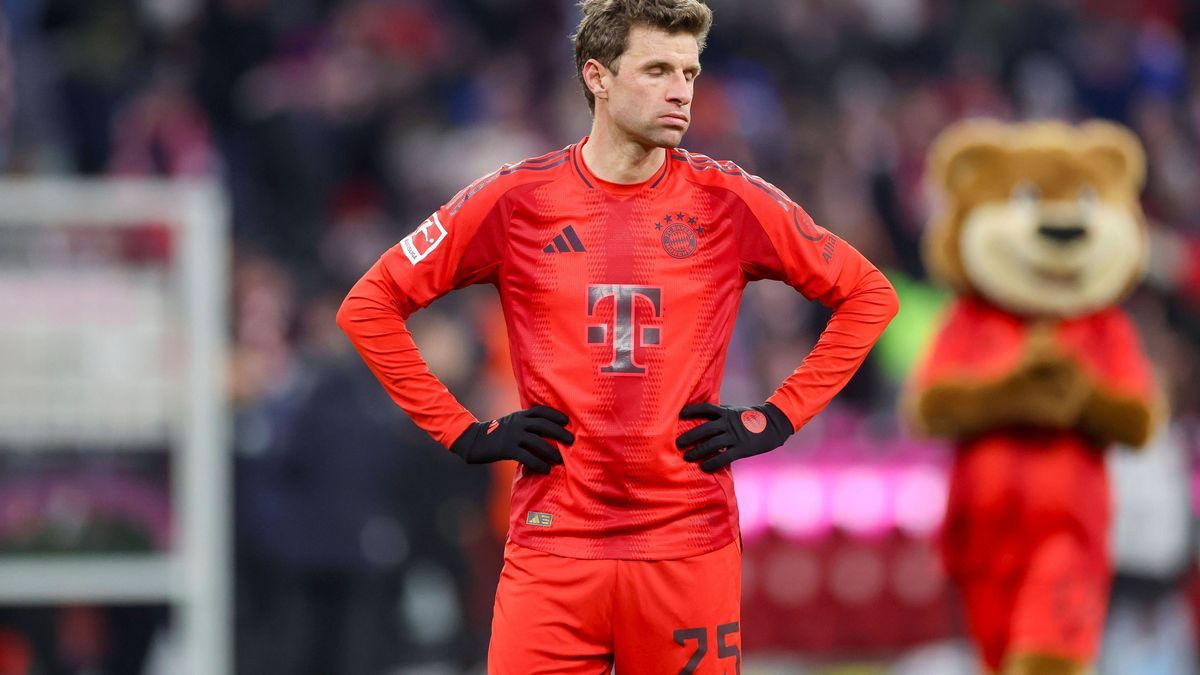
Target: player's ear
596, 77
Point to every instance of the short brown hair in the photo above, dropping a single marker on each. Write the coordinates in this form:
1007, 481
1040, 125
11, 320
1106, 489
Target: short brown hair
603, 32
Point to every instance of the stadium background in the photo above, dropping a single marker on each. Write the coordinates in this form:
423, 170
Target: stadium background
336, 126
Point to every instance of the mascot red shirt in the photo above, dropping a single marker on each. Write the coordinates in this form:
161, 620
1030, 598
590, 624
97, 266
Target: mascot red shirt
1054, 477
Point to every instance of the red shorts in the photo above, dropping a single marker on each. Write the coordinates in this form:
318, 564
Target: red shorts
568, 616
1055, 608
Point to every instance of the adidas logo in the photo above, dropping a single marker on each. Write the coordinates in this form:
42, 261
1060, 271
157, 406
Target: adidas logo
565, 242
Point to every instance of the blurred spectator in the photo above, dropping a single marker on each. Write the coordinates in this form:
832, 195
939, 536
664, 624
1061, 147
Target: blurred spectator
349, 516
1150, 627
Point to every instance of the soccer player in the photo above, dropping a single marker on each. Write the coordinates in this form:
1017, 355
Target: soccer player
620, 261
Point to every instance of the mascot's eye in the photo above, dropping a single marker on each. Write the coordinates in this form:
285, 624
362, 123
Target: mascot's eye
1026, 193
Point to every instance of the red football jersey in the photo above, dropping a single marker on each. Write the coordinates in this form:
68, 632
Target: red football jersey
619, 301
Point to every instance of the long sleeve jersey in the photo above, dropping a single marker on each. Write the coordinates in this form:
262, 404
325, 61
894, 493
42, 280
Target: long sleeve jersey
619, 302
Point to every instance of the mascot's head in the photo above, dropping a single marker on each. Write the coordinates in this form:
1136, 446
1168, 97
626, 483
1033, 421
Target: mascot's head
1040, 218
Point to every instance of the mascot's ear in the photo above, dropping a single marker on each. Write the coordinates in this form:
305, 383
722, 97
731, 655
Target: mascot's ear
969, 156
1115, 153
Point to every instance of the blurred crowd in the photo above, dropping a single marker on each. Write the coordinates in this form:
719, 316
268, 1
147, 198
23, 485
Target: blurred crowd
336, 126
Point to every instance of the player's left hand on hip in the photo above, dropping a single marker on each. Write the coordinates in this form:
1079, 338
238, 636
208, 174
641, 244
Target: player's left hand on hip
731, 433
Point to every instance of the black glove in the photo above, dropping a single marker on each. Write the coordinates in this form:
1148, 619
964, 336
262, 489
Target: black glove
732, 433
520, 436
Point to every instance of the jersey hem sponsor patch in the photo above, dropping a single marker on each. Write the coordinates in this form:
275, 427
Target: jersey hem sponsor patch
539, 519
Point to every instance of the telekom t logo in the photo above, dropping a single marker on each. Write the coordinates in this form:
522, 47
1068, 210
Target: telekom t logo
623, 324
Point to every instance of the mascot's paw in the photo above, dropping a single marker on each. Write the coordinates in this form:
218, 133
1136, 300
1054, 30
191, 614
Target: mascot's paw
1111, 418
1048, 389
1041, 664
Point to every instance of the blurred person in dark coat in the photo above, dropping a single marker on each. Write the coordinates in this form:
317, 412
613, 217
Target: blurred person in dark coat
330, 484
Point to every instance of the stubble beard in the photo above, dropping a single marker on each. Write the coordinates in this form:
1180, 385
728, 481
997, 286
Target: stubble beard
660, 137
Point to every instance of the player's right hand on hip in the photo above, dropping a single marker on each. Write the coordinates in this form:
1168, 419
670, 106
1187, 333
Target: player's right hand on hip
521, 436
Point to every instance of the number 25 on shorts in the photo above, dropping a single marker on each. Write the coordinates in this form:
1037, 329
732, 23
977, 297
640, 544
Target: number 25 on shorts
699, 636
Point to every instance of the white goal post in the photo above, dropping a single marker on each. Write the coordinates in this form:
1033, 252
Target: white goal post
166, 389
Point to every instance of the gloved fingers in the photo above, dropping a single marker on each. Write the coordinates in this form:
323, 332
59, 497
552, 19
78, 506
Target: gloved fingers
702, 411
700, 433
550, 430
545, 412
718, 461
708, 447
540, 449
530, 461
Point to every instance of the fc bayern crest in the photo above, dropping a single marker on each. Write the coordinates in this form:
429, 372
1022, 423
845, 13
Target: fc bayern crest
680, 234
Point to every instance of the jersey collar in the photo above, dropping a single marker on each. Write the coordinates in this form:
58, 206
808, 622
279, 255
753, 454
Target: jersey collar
620, 189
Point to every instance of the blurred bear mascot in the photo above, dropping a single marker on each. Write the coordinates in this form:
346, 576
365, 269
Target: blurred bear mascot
1034, 373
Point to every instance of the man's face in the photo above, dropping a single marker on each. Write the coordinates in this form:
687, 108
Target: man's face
650, 97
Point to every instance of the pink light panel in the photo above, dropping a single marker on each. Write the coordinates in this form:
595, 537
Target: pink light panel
865, 500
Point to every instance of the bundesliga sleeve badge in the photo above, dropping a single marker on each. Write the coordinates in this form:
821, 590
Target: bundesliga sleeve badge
423, 240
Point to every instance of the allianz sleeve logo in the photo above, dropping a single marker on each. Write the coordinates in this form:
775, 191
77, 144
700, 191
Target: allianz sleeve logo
418, 245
